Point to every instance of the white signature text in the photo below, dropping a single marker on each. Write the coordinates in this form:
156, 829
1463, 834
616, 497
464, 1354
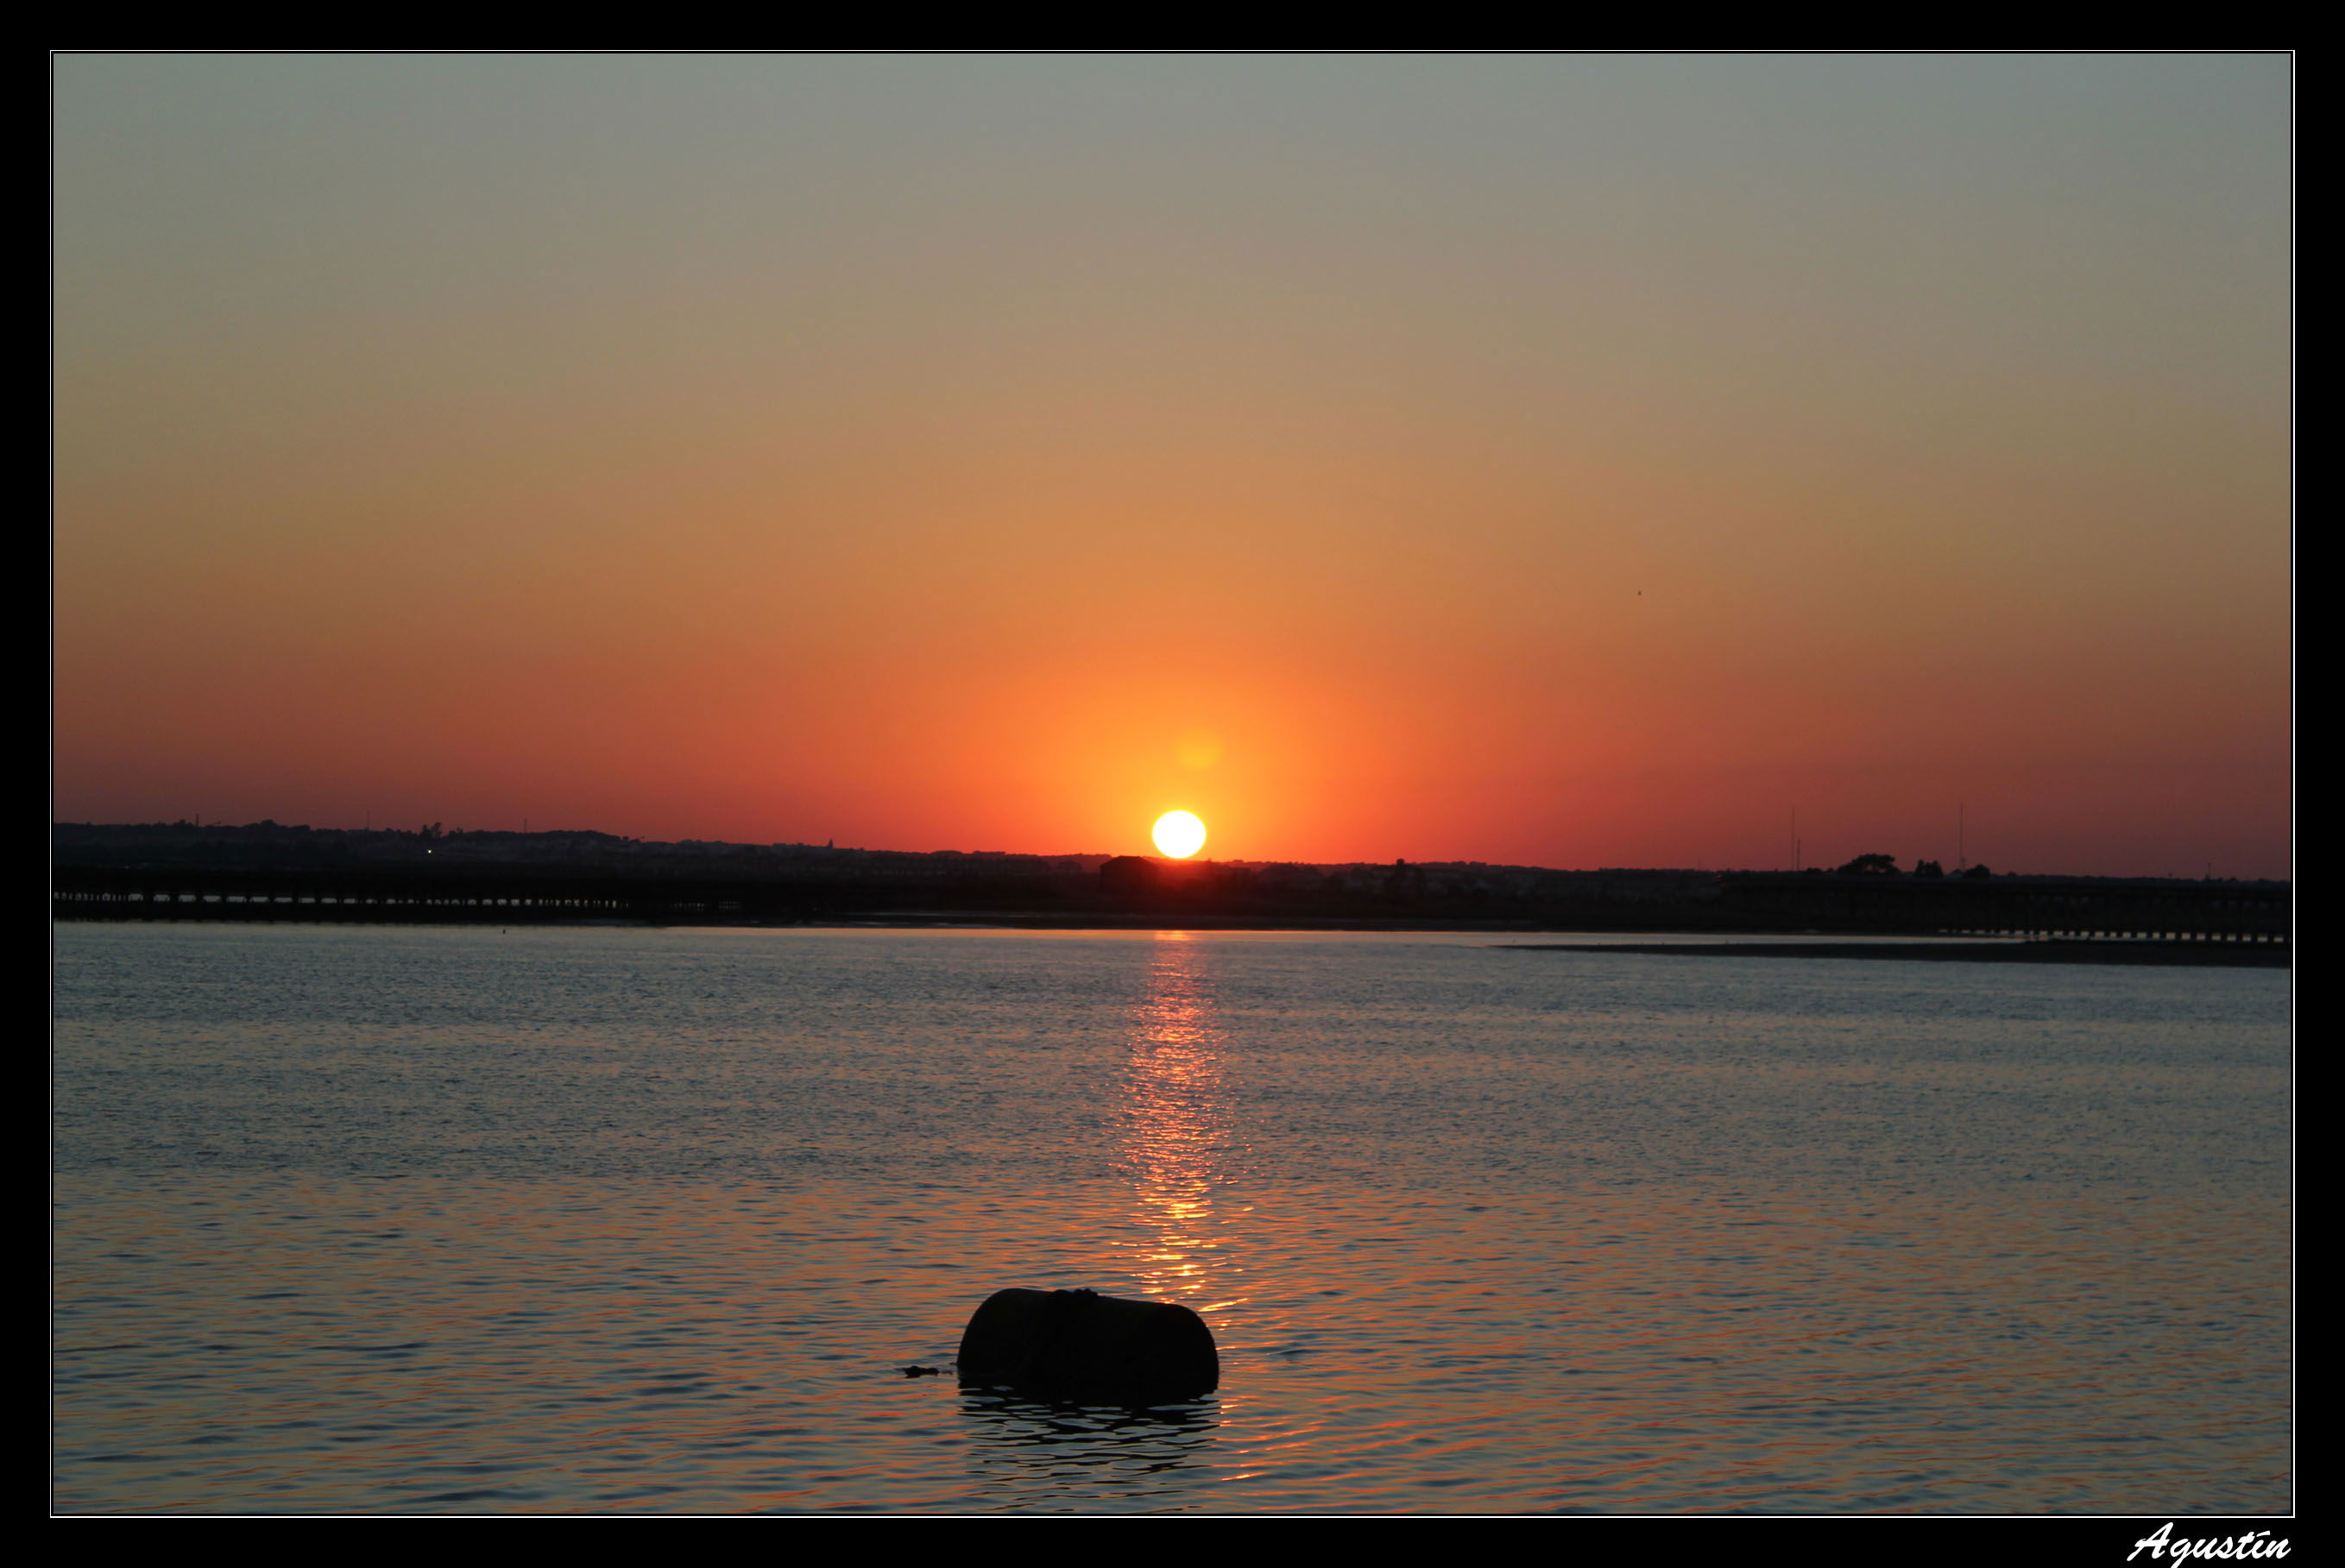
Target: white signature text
2254, 1544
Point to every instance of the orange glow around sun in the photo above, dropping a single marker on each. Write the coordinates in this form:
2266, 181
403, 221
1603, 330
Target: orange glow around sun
1179, 834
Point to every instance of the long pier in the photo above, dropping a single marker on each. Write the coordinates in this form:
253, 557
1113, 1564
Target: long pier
2080, 908
398, 895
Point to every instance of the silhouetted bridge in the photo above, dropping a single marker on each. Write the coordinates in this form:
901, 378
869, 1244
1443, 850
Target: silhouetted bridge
401, 894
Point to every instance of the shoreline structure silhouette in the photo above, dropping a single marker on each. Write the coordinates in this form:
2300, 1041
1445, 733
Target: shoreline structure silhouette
274, 872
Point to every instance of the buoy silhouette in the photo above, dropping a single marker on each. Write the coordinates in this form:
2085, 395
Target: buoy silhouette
1083, 1347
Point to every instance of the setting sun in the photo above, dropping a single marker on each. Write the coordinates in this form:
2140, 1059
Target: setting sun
1180, 833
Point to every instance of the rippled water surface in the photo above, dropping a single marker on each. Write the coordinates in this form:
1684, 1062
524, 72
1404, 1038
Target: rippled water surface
612, 1220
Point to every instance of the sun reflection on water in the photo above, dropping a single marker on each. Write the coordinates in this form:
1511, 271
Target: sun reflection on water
1176, 1131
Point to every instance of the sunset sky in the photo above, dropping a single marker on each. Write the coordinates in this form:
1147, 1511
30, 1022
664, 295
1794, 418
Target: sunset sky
1573, 461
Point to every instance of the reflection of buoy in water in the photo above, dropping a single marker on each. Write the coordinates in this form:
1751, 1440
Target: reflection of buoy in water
1089, 1349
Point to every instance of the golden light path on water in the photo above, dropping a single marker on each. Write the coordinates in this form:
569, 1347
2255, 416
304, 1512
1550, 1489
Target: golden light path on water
1174, 1129
1176, 1133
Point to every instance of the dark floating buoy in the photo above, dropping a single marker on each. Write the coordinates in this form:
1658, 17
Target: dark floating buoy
1089, 1349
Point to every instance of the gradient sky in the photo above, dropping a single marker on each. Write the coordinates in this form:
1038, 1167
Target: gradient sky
1578, 460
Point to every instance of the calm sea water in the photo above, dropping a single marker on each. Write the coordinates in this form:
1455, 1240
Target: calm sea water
559, 1220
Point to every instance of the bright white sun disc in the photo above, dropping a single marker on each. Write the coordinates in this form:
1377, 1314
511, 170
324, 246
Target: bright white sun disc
1179, 834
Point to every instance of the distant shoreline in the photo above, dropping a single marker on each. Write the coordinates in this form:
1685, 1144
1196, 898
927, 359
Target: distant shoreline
271, 872
1850, 945
2216, 955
